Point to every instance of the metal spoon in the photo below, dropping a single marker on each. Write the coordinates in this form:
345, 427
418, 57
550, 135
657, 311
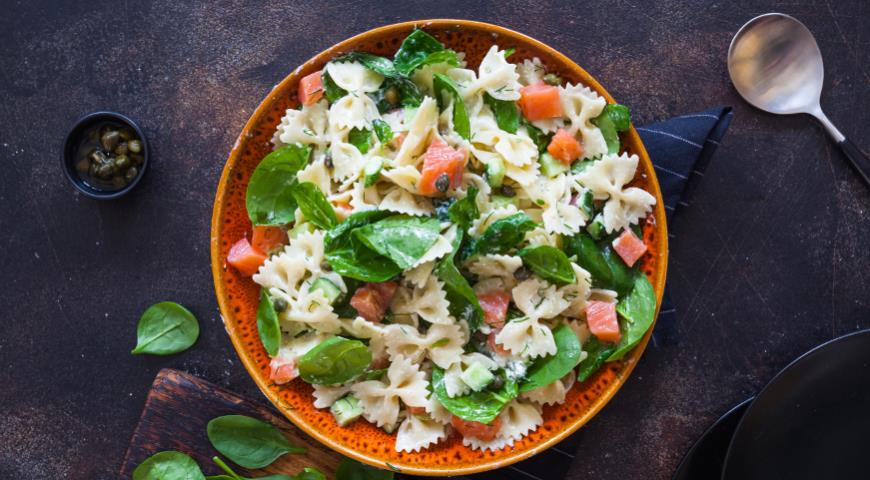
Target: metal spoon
776, 66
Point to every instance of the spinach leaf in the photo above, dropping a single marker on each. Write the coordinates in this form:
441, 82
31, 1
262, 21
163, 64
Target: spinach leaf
361, 138
503, 234
382, 130
549, 369
373, 62
305, 474
247, 441
402, 238
168, 464
638, 311
336, 360
267, 324
165, 328
444, 56
549, 263
608, 131
482, 406
350, 469
541, 139
619, 115
507, 115
314, 205
461, 297
508, 52
330, 89
444, 86
597, 352
405, 93
463, 212
414, 51
605, 266
351, 258
269, 197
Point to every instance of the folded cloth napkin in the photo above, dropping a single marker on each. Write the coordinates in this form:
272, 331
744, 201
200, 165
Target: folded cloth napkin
680, 149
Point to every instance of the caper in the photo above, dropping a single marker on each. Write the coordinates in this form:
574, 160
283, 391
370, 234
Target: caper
552, 79
279, 304
126, 134
105, 171
82, 165
391, 95
122, 161
137, 159
97, 156
135, 146
522, 273
110, 140
508, 191
131, 173
122, 148
327, 160
442, 183
118, 181
496, 383
92, 170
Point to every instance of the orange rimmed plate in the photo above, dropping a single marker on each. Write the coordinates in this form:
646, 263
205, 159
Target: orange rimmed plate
238, 295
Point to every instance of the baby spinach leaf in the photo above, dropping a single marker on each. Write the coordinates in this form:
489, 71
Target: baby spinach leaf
597, 352
463, 303
305, 474
332, 91
168, 464
503, 234
482, 406
408, 94
361, 138
608, 131
444, 87
444, 56
638, 311
541, 139
622, 276
351, 258
350, 469
507, 115
269, 198
267, 324
619, 115
165, 328
414, 51
605, 266
342, 231
463, 212
314, 205
549, 369
373, 62
382, 130
335, 360
247, 441
549, 263
402, 238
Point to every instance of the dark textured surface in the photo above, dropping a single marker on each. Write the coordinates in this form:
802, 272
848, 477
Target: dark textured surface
769, 260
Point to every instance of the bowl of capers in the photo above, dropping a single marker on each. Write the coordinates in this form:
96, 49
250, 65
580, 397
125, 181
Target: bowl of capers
105, 155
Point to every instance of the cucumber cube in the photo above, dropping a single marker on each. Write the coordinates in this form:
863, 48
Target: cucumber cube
500, 201
495, 173
477, 377
372, 170
346, 410
596, 227
329, 289
550, 167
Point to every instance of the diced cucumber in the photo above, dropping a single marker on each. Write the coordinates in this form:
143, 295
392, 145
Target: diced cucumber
299, 228
495, 173
372, 171
477, 376
578, 167
587, 204
550, 167
329, 289
596, 227
500, 201
346, 410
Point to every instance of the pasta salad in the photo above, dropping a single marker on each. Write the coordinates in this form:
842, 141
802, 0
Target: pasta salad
444, 250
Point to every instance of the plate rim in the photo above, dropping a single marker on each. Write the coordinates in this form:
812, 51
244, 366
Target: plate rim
508, 458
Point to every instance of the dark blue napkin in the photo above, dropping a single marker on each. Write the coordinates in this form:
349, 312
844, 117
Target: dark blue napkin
680, 149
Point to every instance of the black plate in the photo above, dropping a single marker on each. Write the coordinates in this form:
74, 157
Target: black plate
812, 420
707, 455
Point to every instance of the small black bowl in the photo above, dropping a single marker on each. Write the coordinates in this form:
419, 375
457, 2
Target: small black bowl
75, 137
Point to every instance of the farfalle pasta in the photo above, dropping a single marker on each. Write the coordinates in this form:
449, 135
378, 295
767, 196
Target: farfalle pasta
445, 250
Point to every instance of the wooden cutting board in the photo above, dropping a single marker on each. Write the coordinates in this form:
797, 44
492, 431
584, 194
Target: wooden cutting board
177, 410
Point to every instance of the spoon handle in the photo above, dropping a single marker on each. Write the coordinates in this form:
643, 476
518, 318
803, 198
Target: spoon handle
857, 157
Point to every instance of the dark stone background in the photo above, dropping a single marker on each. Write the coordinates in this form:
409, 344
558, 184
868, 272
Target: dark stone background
768, 261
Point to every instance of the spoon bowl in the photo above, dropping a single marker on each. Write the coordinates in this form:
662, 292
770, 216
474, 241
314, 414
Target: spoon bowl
776, 65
